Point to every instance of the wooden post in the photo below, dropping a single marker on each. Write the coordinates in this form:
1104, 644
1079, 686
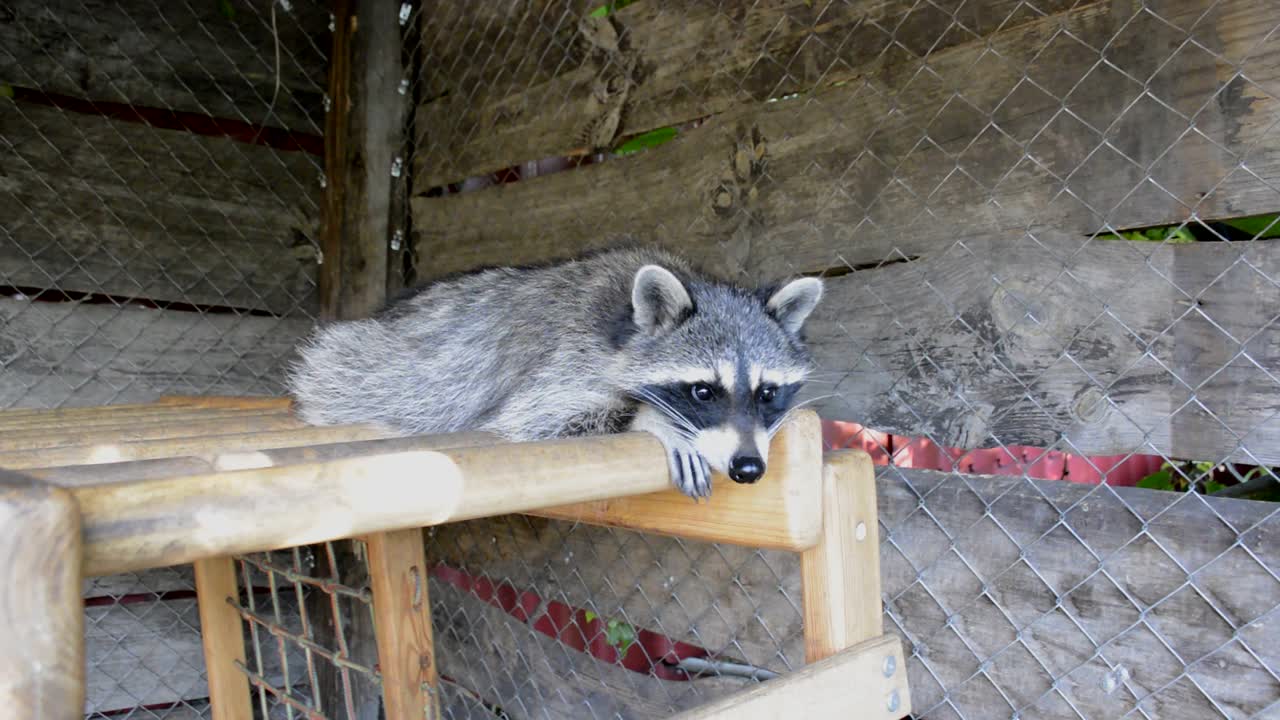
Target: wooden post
222, 635
42, 672
402, 618
841, 574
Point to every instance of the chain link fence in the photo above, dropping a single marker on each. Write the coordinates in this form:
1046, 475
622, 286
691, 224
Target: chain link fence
1046, 231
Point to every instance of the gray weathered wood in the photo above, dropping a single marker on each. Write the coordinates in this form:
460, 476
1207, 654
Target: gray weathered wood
118, 208
73, 354
1102, 583
1098, 351
175, 56
530, 675
900, 160
155, 580
525, 80
699, 593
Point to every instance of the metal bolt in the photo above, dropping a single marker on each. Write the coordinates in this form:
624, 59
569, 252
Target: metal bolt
324, 181
860, 532
405, 11
894, 701
890, 665
286, 5
397, 240
333, 22
404, 86
328, 102
397, 167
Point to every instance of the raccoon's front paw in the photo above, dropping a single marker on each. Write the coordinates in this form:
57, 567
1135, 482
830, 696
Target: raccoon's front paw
690, 473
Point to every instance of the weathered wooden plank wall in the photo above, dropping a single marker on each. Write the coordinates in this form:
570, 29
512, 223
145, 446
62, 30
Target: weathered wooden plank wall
947, 168
998, 587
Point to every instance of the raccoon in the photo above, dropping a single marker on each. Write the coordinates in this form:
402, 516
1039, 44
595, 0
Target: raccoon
630, 339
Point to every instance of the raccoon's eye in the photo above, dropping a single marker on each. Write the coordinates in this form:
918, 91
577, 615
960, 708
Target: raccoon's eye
767, 393
702, 392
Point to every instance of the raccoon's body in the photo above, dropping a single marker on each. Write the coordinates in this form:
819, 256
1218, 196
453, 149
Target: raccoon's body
624, 340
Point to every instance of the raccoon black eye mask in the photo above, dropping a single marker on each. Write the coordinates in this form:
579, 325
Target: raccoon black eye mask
630, 339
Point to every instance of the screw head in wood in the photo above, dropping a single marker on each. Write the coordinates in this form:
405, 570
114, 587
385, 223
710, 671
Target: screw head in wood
890, 665
860, 532
894, 701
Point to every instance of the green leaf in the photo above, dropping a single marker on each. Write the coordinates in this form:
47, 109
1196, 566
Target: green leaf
644, 141
1158, 480
1211, 487
591, 617
620, 635
6, 90
1259, 226
227, 9
604, 10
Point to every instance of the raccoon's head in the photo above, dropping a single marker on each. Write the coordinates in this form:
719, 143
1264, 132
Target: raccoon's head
715, 368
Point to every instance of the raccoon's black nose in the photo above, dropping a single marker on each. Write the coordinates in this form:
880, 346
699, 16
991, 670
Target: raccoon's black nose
746, 469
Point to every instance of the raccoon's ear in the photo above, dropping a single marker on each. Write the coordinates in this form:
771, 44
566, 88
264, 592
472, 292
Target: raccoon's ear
658, 299
791, 304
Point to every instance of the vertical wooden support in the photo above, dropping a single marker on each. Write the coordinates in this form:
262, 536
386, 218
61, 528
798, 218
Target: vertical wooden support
42, 672
402, 616
363, 134
841, 574
223, 638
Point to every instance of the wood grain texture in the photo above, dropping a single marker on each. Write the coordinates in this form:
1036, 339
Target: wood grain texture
132, 526
119, 208
191, 58
337, 138
840, 576
107, 420
70, 353
783, 510
42, 649
899, 160
691, 59
1048, 579
222, 636
1115, 348
851, 683
510, 665
50, 438
402, 619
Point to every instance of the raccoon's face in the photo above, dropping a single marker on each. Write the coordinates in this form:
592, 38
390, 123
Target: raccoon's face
716, 368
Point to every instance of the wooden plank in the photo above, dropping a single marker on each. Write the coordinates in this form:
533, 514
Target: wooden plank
212, 446
783, 510
1098, 353
402, 618
1001, 584
106, 420
222, 637
163, 404
47, 438
226, 401
193, 58
131, 526
896, 163
852, 683
118, 208
93, 354
737, 602
841, 575
41, 626
495, 108
529, 675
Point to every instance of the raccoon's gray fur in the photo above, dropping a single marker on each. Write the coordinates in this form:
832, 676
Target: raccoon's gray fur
626, 339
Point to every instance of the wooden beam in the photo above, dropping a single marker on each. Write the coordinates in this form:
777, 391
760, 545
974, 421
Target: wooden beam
42, 660
165, 522
187, 446
106, 419
864, 681
42, 438
337, 122
227, 401
402, 617
841, 574
222, 635
783, 510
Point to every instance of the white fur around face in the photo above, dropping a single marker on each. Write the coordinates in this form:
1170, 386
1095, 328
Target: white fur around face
762, 444
727, 375
789, 376
718, 446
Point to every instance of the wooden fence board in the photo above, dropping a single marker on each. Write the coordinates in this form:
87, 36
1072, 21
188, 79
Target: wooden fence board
955, 615
692, 59
899, 161
1101, 347
529, 675
177, 56
68, 353
111, 207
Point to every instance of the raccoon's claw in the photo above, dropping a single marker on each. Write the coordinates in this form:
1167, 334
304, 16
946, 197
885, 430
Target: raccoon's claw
690, 474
